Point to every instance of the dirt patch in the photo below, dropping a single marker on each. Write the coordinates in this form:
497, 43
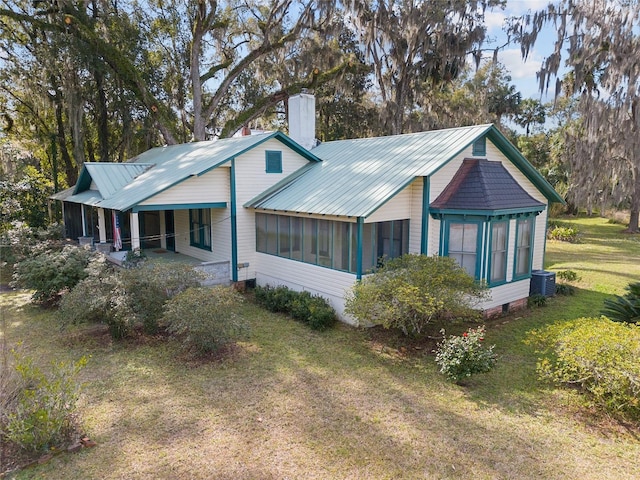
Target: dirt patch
395, 343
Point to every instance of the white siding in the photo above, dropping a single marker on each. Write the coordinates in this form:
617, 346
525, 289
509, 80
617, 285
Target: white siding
507, 293
397, 208
211, 187
415, 224
221, 233
251, 180
299, 276
182, 227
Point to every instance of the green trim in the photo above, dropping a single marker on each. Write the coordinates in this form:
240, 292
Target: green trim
479, 148
389, 197
490, 253
276, 136
479, 238
177, 206
234, 227
360, 233
528, 170
463, 147
273, 161
544, 242
84, 181
509, 212
532, 238
277, 186
424, 233
199, 243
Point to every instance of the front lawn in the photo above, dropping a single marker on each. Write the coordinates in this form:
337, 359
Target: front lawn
345, 403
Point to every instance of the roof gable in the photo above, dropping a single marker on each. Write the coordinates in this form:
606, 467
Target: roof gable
481, 185
108, 177
358, 176
123, 186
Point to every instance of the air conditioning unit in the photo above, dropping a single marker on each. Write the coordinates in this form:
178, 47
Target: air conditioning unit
543, 283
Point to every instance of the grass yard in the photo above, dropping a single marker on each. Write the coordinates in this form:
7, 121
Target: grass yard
347, 403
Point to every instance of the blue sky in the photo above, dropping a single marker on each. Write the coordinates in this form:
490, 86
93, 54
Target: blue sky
523, 74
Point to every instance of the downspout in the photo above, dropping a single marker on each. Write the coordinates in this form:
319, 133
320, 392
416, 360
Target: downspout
359, 235
234, 228
424, 235
544, 244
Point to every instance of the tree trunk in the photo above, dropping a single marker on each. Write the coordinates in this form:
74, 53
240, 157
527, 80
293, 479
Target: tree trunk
635, 202
69, 170
101, 118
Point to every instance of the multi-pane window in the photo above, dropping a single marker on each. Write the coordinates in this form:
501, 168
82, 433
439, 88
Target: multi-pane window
200, 231
330, 243
498, 267
524, 238
463, 246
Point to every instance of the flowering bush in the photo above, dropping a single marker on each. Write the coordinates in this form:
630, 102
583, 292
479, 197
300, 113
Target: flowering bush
460, 356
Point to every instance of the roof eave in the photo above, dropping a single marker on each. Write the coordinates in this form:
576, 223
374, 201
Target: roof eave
528, 170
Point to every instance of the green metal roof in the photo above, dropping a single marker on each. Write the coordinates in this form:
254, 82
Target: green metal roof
356, 177
88, 197
109, 177
123, 186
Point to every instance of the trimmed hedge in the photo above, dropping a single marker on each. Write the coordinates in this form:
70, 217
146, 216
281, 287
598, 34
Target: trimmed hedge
312, 310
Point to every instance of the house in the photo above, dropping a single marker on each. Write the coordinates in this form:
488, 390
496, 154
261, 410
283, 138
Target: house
278, 210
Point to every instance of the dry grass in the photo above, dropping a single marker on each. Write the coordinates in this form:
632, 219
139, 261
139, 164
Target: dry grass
293, 403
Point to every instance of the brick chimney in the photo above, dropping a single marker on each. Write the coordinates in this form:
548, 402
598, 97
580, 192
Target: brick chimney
302, 119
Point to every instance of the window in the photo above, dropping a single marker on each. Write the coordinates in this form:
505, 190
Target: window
273, 161
200, 231
393, 238
524, 236
480, 147
463, 246
330, 243
498, 265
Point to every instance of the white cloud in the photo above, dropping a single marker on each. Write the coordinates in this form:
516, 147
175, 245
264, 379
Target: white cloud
518, 7
494, 20
512, 59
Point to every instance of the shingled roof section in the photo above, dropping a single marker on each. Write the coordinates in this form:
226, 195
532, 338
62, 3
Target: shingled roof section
483, 185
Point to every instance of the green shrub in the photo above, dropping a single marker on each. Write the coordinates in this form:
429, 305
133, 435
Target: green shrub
313, 310
598, 356
275, 299
563, 234
205, 319
564, 289
461, 356
41, 410
125, 298
624, 309
412, 291
536, 300
568, 275
50, 273
90, 301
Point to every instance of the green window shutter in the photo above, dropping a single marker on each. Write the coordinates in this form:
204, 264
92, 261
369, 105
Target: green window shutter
480, 147
273, 161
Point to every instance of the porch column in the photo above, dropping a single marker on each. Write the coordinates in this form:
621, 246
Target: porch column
84, 220
102, 226
163, 230
135, 231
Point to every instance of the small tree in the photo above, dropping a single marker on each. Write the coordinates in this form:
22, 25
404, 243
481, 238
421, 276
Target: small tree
411, 291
